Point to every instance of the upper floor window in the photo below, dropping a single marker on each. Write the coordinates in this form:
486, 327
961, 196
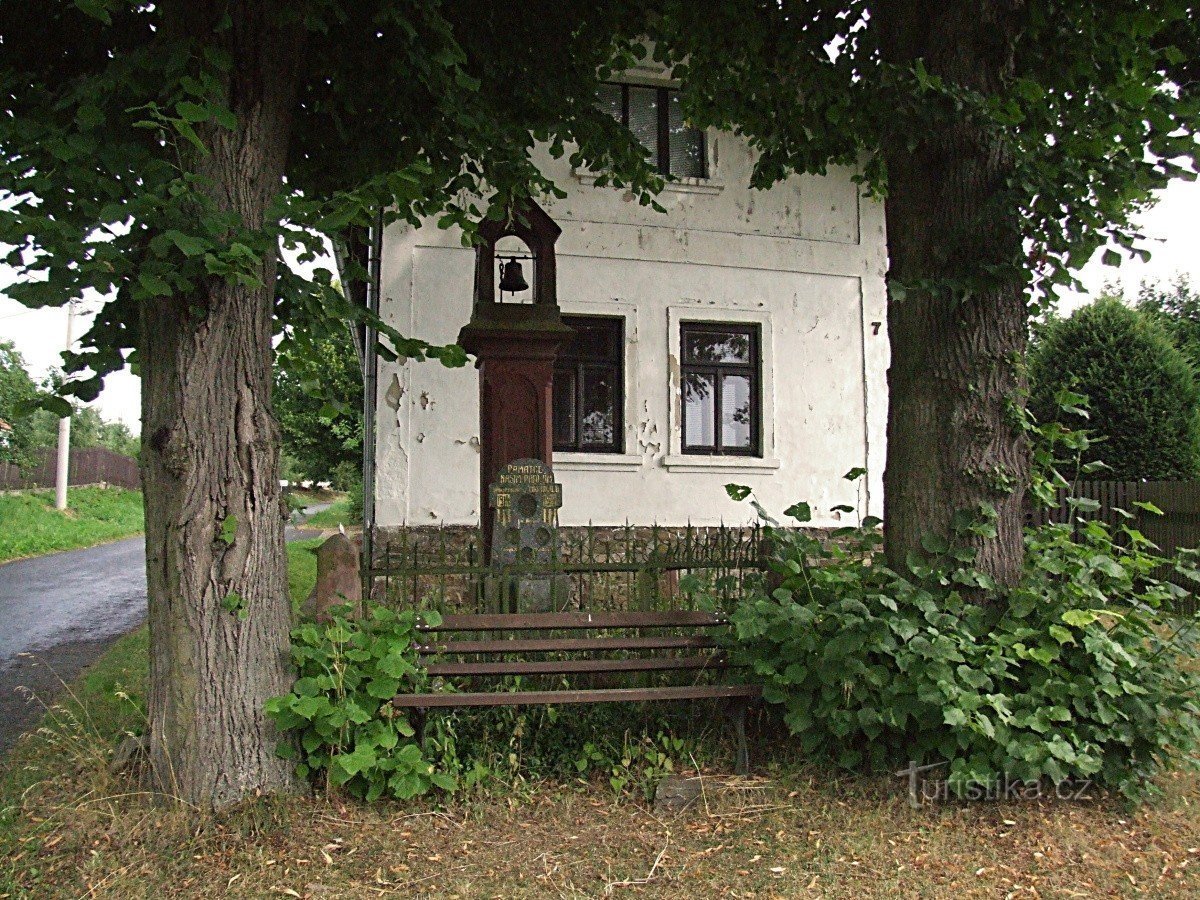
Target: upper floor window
589, 388
655, 117
722, 408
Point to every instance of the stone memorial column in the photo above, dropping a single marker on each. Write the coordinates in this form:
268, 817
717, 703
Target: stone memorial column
514, 344
525, 501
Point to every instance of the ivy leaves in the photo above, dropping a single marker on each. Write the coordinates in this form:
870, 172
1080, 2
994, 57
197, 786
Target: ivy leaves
1078, 672
340, 709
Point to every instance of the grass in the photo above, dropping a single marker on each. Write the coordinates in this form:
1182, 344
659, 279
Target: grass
30, 525
302, 569
70, 829
337, 514
315, 494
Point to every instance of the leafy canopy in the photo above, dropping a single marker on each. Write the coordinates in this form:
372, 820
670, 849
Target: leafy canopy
1176, 307
1101, 107
419, 108
426, 108
324, 440
35, 430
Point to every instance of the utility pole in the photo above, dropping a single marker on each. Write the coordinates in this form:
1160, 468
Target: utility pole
64, 430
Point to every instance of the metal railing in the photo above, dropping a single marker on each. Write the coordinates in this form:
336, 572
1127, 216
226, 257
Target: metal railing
598, 568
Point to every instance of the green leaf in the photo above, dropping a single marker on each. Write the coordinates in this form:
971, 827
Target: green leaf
188, 245
1080, 618
801, 512
89, 116
383, 688
192, 112
737, 491
463, 80
97, 9
854, 474
954, 717
1062, 635
396, 664
406, 785
934, 543
155, 285
188, 133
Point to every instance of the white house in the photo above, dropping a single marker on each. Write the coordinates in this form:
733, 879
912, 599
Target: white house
739, 338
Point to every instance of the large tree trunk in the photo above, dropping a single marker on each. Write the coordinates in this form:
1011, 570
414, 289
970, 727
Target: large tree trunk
210, 461
957, 314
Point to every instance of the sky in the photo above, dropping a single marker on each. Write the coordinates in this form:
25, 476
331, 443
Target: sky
1172, 228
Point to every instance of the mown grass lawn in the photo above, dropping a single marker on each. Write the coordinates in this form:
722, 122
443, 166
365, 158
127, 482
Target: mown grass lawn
30, 525
337, 514
302, 569
70, 829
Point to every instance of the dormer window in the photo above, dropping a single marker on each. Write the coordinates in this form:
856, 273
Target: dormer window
655, 117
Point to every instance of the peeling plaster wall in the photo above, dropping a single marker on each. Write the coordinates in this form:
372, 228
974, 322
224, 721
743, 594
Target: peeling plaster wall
806, 260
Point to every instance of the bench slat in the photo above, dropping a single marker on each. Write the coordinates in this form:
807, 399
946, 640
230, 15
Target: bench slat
575, 620
575, 666
554, 698
559, 645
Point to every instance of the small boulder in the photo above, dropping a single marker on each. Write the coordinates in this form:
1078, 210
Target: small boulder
675, 793
339, 580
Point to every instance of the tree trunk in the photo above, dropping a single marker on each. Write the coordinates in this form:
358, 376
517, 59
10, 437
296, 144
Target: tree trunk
957, 314
215, 559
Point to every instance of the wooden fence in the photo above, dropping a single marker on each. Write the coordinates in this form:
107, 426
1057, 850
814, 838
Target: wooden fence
1178, 526
94, 465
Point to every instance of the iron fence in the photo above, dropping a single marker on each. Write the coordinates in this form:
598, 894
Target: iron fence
598, 568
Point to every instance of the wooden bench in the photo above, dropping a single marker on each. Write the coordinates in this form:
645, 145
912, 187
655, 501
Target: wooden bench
448, 654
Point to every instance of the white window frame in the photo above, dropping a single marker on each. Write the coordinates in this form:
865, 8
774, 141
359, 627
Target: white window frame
712, 184
587, 461
676, 460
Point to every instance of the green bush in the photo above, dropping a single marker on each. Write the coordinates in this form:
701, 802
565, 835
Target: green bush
345, 729
1143, 397
345, 475
340, 706
355, 495
1077, 673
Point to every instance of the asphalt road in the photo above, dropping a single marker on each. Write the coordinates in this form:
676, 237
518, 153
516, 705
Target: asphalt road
58, 614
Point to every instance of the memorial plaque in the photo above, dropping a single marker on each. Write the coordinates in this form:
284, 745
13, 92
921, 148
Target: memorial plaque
526, 500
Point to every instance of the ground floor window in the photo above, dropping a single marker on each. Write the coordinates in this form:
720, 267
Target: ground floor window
589, 387
722, 408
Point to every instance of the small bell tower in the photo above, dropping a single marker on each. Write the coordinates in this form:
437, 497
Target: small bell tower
515, 342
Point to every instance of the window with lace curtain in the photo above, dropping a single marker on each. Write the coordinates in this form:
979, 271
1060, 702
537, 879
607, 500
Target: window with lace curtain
589, 386
722, 409
655, 116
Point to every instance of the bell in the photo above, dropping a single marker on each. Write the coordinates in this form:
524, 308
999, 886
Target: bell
512, 279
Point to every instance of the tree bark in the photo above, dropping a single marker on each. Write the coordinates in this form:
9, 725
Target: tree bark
210, 457
957, 312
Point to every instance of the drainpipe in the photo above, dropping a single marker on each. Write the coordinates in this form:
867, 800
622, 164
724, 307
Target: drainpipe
370, 380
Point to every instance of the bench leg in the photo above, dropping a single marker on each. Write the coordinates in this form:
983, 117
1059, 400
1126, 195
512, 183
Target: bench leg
419, 725
736, 710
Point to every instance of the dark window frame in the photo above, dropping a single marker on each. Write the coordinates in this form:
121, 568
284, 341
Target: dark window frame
663, 113
753, 370
577, 363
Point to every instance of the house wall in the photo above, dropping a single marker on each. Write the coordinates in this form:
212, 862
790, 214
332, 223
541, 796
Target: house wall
806, 260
